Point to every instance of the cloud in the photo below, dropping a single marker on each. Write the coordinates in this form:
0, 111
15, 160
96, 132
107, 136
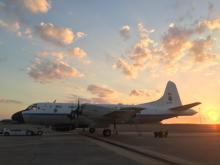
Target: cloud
144, 93
33, 6
11, 26
17, 28
143, 49
16, 15
199, 49
136, 92
175, 42
36, 6
210, 24
94, 100
180, 49
9, 101
80, 35
201, 55
140, 54
128, 69
78, 52
46, 68
55, 34
125, 32
100, 91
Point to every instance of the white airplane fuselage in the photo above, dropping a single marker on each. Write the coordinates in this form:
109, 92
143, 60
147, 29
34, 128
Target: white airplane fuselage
101, 115
57, 113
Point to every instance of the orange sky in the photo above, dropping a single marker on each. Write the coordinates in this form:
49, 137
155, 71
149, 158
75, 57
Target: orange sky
63, 50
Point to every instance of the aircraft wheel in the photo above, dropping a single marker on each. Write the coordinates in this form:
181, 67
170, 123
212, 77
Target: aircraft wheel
29, 133
107, 132
91, 130
40, 133
6, 134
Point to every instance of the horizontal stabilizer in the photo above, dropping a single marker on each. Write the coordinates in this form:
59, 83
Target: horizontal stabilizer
185, 107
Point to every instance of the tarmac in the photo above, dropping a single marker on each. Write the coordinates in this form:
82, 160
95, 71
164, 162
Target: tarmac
198, 148
63, 149
184, 146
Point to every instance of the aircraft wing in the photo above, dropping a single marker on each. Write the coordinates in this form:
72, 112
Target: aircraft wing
124, 115
95, 107
184, 107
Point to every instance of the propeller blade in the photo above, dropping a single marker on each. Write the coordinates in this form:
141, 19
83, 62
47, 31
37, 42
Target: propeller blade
75, 113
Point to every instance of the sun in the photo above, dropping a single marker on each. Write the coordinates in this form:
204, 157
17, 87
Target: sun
213, 116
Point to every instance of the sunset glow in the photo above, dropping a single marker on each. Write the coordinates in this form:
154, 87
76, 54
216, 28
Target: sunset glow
110, 52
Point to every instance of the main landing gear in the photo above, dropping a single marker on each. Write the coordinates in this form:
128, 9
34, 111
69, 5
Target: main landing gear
161, 134
107, 132
91, 130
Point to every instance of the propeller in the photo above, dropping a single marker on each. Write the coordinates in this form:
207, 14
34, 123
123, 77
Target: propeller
75, 113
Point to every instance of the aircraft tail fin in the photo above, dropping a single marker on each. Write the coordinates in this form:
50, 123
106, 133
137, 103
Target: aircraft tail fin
170, 97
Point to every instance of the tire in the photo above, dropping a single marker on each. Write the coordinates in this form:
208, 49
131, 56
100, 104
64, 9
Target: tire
40, 133
107, 132
91, 130
6, 134
29, 133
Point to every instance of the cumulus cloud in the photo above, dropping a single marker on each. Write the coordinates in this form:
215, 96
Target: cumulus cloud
36, 6
144, 93
210, 24
200, 53
103, 94
78, 52
33, 6
55, 34
15, 15
9, 101
136, 92
140, 54
100, 91
45, 68
125, 32
175, 42
143, 49
17, 28
199, 49
93, 100
179, 49
128, 69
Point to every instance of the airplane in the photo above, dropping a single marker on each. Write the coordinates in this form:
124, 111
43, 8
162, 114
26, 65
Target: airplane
68, 116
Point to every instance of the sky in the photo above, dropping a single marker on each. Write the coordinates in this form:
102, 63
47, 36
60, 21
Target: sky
118, 51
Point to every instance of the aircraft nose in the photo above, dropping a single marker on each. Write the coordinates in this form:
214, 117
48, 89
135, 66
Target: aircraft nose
18, 117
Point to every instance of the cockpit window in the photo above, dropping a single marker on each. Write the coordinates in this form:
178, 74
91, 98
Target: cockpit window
32, 107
